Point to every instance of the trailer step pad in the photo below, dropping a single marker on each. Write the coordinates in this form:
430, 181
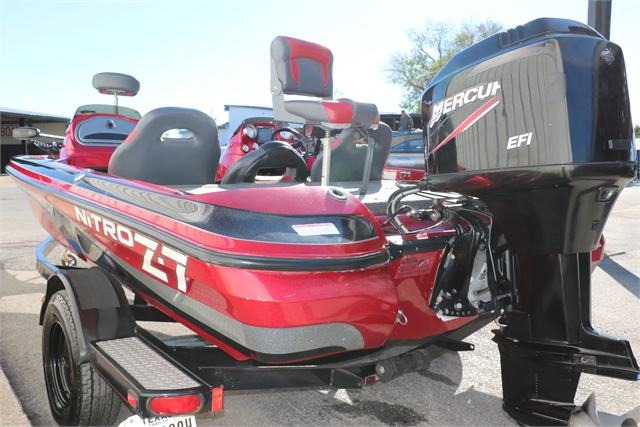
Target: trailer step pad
144, 364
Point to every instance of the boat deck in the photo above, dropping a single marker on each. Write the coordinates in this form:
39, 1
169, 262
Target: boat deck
375, 199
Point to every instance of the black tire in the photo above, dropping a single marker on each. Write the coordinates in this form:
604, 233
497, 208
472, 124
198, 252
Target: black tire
77, 394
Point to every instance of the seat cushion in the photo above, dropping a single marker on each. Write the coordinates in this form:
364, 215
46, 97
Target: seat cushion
340, 114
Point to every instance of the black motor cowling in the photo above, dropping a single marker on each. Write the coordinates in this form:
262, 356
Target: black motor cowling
536, 123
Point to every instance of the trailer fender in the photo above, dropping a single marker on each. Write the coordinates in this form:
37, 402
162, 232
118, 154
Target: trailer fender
98, 304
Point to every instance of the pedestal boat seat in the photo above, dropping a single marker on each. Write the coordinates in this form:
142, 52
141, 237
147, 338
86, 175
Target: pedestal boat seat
302, 68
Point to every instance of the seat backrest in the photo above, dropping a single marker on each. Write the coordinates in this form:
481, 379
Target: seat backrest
348, 154
301, 68
116, 84
188, 158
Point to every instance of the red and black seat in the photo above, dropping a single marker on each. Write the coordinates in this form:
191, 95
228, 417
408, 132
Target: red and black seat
302, 68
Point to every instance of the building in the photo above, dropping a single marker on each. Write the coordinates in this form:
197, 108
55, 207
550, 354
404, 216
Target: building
11, 118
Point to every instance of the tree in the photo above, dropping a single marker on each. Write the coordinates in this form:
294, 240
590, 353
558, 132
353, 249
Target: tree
432, 46
636, 130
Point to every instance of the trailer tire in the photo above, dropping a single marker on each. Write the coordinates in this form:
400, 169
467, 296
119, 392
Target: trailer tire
77, 394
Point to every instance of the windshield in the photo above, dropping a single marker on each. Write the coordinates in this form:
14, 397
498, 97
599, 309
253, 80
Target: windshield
107, 109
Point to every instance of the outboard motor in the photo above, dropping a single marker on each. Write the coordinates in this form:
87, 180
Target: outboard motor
535, 122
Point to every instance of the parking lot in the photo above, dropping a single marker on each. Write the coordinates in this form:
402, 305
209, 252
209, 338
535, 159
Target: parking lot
459, 389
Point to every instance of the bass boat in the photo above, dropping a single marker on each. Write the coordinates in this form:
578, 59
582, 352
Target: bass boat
333, 276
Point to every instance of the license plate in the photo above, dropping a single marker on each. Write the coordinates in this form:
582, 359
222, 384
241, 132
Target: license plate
175, 421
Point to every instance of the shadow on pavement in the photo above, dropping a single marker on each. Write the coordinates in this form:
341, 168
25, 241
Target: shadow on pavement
624, 277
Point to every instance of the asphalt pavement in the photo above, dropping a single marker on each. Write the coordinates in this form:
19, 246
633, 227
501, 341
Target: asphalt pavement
458, 389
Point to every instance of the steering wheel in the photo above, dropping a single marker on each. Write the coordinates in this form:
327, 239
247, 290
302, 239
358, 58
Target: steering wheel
301, 142
272, 154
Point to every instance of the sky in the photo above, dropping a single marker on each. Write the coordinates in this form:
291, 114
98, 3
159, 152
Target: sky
207, 54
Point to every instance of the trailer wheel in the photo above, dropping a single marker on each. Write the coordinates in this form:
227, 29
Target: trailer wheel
77, 394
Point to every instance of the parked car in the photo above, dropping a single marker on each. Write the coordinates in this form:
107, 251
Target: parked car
406, 158
407, 150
